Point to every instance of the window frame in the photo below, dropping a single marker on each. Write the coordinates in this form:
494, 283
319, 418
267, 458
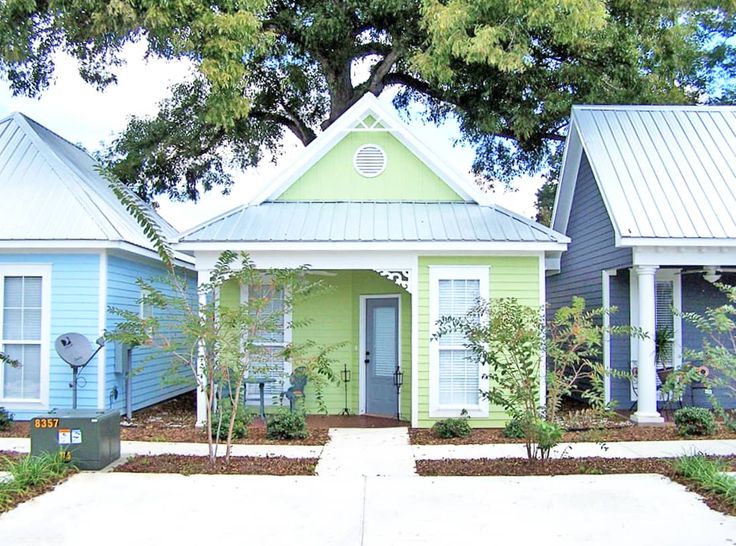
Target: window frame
244, 291
29, 270
480, 273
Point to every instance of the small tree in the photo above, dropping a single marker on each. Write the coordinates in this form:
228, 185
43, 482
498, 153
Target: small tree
510, 339
220, 343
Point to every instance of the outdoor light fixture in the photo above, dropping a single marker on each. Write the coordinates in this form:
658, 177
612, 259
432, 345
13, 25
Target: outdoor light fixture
345, 376
710, 274
398, 381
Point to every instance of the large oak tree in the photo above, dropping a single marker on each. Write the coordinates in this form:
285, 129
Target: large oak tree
509, 70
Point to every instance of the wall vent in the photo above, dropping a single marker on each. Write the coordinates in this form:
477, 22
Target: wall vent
369, 160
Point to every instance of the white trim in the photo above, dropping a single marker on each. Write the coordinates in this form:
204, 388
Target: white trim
361, 344
101, 319
543, 311
75, 245
425, 247
680, 255
414, 299
674, 275
45, 272
444, 272
369, 104
203, 277
606, 275
687, 243
568, 179
634, 323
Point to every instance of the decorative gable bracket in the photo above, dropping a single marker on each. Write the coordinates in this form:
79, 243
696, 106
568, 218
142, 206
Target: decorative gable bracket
400, 277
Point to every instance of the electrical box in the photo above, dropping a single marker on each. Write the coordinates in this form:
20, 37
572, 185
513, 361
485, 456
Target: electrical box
122, 358
88, 439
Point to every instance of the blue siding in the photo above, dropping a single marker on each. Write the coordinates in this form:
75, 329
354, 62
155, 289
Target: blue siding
74, 308
152, 368
591, 250
621, 345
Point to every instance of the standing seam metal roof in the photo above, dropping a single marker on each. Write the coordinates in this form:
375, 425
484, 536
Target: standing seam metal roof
371, 221
52, 191
664, 171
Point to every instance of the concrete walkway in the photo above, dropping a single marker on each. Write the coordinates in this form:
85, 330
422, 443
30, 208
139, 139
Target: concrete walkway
148, 509
367, 452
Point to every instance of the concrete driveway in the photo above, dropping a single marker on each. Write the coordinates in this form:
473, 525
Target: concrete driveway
93, 509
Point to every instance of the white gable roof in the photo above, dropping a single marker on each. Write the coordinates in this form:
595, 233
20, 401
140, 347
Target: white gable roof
51, 191
667, 174
370, 105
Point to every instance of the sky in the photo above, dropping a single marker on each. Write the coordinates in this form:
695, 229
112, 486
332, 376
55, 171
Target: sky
81, 114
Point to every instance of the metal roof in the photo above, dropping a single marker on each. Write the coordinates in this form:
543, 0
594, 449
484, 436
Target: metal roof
663, 171
340, 221
52, 192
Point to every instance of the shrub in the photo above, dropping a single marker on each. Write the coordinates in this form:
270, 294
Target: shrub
513, 429
694, 422
286, 425
243, 418
454, 427
6, 419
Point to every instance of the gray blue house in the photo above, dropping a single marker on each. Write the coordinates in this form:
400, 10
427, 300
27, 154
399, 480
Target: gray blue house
68, 251
648, 197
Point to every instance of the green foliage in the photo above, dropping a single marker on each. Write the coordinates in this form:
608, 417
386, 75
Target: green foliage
241, 422
29, 473
694, 422
286, 425
509, 338
509, 72
220, 344
718, 351
513, 429
453, 427
6, 419
708, 474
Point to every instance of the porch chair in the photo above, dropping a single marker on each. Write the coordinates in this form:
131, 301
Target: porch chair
298, 380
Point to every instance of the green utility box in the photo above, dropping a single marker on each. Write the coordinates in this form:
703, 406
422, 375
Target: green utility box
89, 439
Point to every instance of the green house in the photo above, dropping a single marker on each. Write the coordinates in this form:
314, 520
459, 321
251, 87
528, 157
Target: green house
402, 240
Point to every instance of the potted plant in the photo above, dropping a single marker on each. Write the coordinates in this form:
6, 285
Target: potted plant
664, 339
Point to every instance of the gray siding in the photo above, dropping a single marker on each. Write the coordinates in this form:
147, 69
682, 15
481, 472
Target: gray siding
697, 295
620, 345
591, 250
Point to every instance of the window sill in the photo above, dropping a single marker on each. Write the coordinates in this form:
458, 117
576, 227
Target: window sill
456, 411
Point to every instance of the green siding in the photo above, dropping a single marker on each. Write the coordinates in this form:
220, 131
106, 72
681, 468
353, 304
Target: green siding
509, 277
405, 178
335, 318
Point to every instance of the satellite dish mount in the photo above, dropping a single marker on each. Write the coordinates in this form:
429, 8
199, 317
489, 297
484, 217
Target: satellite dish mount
77, 351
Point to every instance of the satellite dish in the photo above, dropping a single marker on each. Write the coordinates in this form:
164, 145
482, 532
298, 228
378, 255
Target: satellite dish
74, 349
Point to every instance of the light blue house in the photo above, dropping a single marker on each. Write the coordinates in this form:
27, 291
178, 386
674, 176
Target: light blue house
68, 251
648, 197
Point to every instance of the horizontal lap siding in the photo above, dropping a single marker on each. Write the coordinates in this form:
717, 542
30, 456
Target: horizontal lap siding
153, 374
698, 295
591, 250
509, 277
74, 308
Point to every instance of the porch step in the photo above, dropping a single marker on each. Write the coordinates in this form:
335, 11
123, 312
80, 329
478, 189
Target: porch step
367, 452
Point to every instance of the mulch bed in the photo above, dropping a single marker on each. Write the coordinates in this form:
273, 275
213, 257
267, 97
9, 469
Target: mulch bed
173, 421
618, 434
188, 464
570, 466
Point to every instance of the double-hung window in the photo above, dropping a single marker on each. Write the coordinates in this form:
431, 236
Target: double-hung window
455, 378
24, 324
270, 340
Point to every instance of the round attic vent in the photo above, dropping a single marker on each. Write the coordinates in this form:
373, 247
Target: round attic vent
369, 160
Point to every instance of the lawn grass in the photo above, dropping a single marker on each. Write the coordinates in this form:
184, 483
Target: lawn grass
31, 476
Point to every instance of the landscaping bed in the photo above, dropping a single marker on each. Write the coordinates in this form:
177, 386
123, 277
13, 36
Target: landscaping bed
570, 466
625, 433
189, 464
33, 476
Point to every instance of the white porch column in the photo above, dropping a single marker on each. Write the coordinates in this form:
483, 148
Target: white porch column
646, 407
203, 277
